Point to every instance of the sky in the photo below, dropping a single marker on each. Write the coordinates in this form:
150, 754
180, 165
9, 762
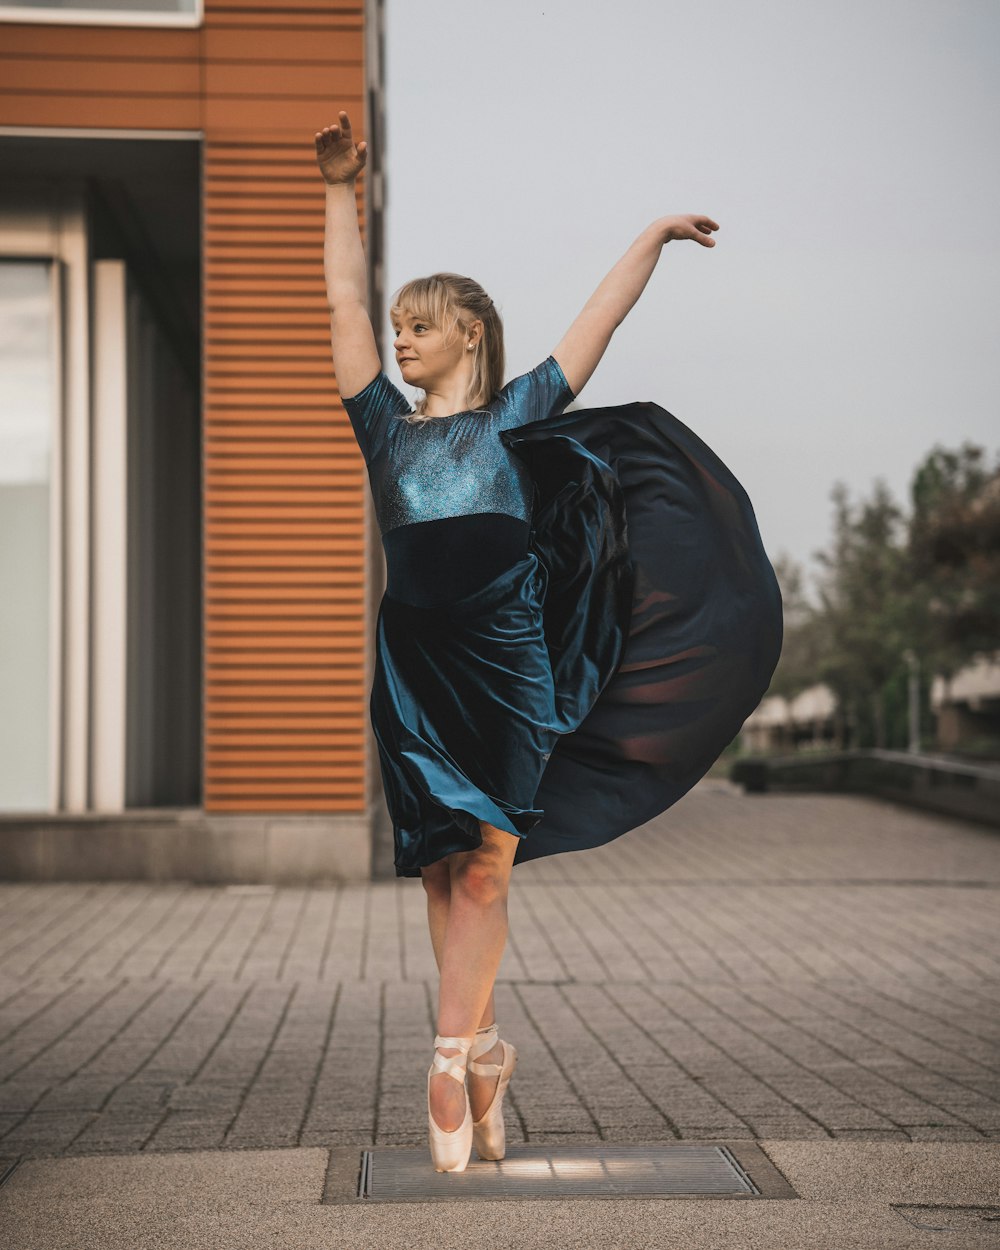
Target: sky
845, 323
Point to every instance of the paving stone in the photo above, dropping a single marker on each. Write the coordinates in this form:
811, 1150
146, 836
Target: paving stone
797, 967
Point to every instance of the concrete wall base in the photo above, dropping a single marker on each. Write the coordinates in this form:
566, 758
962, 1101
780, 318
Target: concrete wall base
383, 844
188, 844
953, 787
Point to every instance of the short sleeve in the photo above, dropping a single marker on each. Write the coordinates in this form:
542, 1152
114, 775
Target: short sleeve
544, 392
370, 412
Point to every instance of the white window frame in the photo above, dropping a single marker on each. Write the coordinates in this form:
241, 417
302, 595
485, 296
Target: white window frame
87, 484
101, 17
57, 235
87, 565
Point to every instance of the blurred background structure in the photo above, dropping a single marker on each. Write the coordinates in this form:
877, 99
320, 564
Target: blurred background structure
899, 650
186, 556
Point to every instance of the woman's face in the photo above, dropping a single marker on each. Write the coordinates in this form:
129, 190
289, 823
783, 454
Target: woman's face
422, 353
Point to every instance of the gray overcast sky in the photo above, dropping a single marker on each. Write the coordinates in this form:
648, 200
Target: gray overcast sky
847, 318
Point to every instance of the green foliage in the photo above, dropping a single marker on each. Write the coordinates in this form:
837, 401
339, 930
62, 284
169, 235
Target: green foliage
801, 651
954, 550
928, 583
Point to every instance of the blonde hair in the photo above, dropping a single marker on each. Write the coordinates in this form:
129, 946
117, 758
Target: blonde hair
451, 303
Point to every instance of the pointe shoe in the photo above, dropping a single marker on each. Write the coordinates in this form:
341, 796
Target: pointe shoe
488, 1133
450, 1151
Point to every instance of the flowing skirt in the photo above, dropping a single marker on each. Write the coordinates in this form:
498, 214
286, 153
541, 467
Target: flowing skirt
588, 687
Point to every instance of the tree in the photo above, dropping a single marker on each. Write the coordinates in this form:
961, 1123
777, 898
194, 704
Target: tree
929, 583
801, 647
864, 606
954, 553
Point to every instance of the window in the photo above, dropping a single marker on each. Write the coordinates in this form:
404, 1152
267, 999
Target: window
118, 12
29, 386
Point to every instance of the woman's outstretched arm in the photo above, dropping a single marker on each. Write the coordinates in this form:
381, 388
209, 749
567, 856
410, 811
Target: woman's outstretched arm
586, 341
355, 352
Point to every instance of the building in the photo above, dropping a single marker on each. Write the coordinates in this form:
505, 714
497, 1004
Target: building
806, 722
187, 564
967, 708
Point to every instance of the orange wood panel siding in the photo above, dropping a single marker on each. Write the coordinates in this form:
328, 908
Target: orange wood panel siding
285, 495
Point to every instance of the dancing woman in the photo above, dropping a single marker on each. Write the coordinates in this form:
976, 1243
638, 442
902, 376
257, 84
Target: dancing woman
578, 612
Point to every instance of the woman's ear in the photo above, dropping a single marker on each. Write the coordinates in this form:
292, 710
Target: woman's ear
474, 332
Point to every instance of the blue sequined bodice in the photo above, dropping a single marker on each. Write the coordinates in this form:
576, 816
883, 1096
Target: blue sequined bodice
450, 466
453, 503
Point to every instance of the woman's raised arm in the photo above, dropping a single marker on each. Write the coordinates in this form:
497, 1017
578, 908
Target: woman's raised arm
586, 341
355, 352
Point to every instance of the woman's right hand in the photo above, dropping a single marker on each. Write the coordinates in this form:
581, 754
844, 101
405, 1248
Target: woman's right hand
339, 160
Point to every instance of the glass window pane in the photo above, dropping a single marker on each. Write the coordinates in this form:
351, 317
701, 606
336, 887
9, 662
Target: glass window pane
106, 6
27, 405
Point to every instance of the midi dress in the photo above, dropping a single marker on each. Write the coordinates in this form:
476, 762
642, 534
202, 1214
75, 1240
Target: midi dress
578, 616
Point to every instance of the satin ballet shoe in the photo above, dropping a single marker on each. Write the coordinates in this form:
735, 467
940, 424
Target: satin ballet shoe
450, 1151
488, 1133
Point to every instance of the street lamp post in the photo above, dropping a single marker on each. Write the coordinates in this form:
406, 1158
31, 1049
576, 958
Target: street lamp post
914, 699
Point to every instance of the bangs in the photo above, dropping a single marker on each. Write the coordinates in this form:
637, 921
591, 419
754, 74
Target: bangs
426, 299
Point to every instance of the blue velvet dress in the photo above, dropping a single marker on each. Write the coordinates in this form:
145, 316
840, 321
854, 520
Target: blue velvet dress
578, 617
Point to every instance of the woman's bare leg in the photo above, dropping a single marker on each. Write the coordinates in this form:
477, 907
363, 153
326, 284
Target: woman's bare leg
468, 940
436, 880
437, 885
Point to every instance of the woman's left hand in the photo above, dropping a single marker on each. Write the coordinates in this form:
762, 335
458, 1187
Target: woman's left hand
584, 343
689, 226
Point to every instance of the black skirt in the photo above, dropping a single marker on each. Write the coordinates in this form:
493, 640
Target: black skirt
589, 686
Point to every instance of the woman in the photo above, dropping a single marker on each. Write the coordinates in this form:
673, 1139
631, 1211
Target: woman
578, 614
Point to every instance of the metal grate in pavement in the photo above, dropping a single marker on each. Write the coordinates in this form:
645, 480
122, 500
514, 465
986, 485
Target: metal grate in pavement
603, 1170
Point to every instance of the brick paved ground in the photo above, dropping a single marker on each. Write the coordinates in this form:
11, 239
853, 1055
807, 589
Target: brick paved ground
770, 966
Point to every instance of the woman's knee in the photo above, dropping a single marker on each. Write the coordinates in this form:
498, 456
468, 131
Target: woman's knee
479, 882
483, 874
436, 878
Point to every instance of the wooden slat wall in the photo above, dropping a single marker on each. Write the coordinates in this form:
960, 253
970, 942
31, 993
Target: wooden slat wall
285, 496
